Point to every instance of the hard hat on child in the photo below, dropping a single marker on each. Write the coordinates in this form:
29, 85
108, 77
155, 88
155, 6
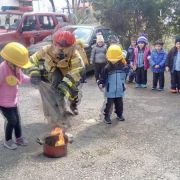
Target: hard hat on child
16, 54
115, 53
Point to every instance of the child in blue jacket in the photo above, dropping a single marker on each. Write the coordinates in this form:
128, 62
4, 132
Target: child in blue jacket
113, 79
173, 65
157, 62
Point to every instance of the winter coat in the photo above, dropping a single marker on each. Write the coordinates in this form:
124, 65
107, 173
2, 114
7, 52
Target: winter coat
170, 58
158, 58
113, 79
146, 54
9, 93
130, 55
72, 64
98, 54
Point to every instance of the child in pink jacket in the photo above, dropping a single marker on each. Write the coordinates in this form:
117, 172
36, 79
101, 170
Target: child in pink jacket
141, 61
15, 57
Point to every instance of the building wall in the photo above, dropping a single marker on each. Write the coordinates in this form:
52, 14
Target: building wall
16, 5
9, 3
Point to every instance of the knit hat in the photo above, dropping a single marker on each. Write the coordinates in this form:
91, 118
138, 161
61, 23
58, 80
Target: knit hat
99, 38
177, 39
142, 39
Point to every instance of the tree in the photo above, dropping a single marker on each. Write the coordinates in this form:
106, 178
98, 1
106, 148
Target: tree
52, 4
128, 17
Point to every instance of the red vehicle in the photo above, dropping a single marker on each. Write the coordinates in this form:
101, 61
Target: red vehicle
28, 28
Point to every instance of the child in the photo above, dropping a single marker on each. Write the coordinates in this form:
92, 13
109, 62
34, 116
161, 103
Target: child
141, 62
157, 62
98, 56
15, 57
113, 79
130, 58
173, 64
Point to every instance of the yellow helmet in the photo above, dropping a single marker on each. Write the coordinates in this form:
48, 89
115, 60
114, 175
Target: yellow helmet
17, 54
114, 53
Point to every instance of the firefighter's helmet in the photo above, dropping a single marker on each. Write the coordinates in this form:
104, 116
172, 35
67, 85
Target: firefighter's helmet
63, 38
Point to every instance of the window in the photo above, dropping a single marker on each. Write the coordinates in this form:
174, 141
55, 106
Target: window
84, 34
9, 21
109, 36
26, 3
46, 22
30, 23
60, 19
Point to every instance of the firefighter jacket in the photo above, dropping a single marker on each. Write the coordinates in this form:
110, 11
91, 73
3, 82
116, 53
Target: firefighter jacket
68, 61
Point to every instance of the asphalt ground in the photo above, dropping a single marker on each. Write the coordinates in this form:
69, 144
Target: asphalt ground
144, 147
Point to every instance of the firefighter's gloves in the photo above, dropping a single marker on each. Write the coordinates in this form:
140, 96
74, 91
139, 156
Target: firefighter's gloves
35, 75
68, 87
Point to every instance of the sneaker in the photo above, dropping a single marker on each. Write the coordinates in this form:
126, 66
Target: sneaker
154, 88
10, 144
138, 85
107, 120
21, 141
74, 110
121, 118
173, 90
160, 89
143, 85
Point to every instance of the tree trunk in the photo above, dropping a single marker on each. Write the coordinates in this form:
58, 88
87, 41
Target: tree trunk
52, 4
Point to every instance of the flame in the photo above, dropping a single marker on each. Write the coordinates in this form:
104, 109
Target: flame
58, 131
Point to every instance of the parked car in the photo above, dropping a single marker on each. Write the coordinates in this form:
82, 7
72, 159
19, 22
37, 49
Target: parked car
87, 33
28, 28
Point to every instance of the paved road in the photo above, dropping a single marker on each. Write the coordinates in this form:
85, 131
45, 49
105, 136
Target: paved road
144, 147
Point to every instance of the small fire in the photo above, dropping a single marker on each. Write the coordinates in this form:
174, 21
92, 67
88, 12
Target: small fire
58, 131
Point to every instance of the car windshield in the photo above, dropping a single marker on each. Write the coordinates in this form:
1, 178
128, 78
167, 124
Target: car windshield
9, 21
83, 34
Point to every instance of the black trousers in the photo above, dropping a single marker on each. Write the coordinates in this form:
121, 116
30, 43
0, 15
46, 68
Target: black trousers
141, 76
132, 76
158, 77
175, 80
98, 67
118, 102
13, 122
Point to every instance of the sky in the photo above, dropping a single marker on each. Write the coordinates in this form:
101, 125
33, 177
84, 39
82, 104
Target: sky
44, 5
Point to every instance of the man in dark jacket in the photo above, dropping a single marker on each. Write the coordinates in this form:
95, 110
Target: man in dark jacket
173, 65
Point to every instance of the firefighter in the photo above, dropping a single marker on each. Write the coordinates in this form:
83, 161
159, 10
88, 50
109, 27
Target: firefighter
62, 66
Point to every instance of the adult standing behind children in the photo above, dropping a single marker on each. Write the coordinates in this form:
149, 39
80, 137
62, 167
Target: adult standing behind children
141, 61
98, 56
173, 65
157, 62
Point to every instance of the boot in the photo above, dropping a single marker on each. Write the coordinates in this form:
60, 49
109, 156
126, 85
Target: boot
74, 109
107, 120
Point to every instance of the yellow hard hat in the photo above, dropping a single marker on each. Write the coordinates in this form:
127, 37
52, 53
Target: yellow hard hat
114, 53
17, 54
